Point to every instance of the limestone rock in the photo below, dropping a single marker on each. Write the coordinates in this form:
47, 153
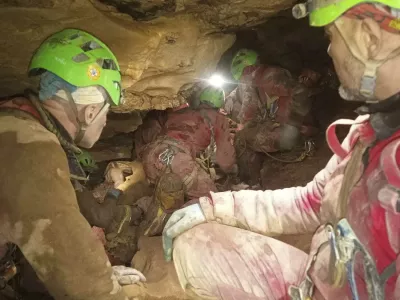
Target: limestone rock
121, 123
163, 46
157, 58
162, 281
118, 147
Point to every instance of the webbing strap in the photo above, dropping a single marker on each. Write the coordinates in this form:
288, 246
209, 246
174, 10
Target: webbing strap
388, 272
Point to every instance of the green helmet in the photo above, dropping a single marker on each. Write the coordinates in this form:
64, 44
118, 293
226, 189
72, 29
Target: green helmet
80, 59
242, 59
86, 161
213, 96
324, 12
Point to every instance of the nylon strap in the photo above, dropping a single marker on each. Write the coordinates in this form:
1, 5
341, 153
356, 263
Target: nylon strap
350, 178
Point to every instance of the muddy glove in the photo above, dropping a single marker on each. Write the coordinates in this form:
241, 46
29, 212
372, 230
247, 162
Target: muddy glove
126, 276
182, 220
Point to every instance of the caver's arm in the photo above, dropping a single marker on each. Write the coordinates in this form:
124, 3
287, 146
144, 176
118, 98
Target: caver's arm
42, 217
286, 211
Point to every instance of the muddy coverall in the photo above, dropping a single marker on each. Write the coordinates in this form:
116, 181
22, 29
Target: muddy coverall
39, 212
272, 96
274, 109
187, 132
235, 256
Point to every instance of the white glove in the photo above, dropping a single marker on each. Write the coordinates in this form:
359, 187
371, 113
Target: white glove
127, 275
182, 220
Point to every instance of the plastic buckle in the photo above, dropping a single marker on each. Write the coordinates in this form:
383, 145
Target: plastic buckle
368, 84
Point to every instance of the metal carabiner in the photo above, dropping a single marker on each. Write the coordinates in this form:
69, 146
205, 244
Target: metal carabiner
309, 147
273, 110
336, 264
167, 156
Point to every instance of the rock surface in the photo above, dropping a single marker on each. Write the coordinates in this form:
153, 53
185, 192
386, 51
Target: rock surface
121, 123
117, 147
162, 281
163, 46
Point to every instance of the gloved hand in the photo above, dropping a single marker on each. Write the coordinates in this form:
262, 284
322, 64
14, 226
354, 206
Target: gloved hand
126, 276
182, 220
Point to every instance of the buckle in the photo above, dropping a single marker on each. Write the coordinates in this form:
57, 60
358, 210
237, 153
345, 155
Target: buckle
368, 84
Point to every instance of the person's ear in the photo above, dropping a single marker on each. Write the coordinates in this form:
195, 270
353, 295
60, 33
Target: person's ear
371, 38
90, 114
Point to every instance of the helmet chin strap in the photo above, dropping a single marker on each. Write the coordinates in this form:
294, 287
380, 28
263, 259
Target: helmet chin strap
368, 80
81, 133
82, 126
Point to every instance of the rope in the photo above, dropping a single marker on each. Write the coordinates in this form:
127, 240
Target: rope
48, 123
300, 158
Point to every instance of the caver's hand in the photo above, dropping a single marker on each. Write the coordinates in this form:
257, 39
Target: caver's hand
126, 276
181, 221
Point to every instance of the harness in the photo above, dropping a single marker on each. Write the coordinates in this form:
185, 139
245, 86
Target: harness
167, 156
343, 242
270, 105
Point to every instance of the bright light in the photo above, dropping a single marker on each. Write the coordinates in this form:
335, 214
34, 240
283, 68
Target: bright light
216, 80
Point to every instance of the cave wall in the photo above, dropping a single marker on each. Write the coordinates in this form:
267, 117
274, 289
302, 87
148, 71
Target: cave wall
162, 51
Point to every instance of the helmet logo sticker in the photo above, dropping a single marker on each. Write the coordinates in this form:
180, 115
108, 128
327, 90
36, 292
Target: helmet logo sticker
60, 60
93, 72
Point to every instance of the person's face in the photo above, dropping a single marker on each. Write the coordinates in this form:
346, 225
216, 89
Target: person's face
348, 69
96, 119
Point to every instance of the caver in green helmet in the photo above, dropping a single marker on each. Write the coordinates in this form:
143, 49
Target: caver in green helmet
384, 12
243, 58
86, 161
80, 59
213, 96
323, 12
